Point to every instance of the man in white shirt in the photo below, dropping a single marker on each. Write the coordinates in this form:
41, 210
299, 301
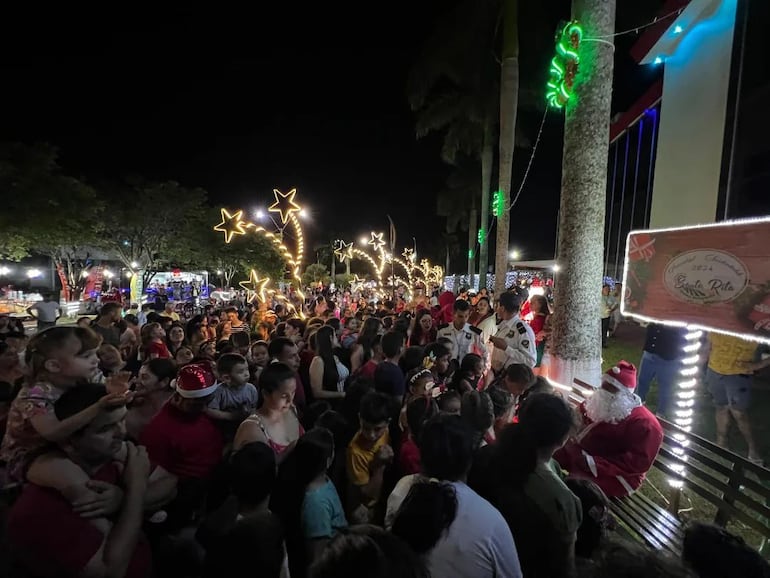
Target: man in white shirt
466, 337
514, 340
46, 312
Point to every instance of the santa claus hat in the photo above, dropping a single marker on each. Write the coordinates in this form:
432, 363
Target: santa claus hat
622, 376
195, 380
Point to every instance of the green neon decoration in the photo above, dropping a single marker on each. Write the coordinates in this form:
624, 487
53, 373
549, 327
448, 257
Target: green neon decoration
564, 65
470, 253
498, 203
482, 236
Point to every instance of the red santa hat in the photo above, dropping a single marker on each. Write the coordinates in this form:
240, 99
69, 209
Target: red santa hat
195, 381
622, 376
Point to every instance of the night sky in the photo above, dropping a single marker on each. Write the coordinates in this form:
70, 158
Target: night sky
311, 96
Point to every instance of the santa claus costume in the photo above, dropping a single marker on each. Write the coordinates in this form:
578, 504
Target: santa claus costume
620, 438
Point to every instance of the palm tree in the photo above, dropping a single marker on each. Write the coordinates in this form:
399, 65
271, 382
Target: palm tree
575, 342
454, 202
509, 96
453, 88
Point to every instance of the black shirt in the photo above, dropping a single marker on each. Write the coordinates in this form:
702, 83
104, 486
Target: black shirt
667, 342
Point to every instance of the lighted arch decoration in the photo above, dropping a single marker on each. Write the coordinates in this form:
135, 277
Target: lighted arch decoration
564, 65
416, 274
234, 224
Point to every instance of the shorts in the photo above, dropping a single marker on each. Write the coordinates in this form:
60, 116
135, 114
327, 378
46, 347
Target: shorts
733, 391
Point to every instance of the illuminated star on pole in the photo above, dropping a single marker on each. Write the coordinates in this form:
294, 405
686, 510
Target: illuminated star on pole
284, 204
408, 254
344, 251
231, 224
255, 286
376, 241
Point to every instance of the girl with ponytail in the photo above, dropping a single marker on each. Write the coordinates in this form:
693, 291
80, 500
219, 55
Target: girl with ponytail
457, 531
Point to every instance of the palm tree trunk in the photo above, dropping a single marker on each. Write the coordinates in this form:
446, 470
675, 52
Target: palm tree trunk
472, 233
576, 339
487, 159
509, 97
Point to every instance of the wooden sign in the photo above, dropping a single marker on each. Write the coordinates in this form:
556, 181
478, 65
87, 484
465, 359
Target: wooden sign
716, 277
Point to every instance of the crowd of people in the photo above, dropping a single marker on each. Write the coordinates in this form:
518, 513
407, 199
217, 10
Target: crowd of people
351, 441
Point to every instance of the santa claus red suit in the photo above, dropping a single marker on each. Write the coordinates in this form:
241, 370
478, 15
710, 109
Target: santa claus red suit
620, 439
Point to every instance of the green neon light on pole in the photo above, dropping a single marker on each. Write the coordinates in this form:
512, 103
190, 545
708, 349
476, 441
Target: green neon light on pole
564, 66
482, 236
498, 204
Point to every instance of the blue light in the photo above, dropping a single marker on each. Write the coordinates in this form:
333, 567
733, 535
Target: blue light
658, 60
678, 29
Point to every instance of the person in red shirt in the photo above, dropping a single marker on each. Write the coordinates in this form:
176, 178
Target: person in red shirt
153, 344
367, 369
47, 537
418, 411
185, 443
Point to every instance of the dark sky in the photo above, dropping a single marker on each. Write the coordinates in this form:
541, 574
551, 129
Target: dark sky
239, 102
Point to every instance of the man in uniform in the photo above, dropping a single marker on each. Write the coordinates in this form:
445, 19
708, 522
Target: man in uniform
466, 337
514, 340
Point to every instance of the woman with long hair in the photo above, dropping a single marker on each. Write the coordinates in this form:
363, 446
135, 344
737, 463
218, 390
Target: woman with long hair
327, 373
539, 324
275, 423
485, 319
423, 329
362, 350
175, 337
543, 514
197, 330
458, 532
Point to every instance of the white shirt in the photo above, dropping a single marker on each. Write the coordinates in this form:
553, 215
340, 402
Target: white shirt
467, 340
521, 344
478, 543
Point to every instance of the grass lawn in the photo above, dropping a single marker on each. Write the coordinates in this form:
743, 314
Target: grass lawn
628, 344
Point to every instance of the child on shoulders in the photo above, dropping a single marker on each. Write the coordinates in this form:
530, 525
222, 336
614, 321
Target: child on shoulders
59, 359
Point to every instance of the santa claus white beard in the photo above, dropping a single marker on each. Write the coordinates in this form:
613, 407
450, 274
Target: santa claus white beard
605, 406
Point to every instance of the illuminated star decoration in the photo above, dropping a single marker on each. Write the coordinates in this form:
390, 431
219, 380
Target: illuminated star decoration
231, 225
344, 251
376, 241
284, 204
408, 254
255, 286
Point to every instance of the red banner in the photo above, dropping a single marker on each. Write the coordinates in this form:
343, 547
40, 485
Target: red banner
716, 277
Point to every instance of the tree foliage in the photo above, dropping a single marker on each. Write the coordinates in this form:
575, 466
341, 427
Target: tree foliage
148, 227
48, 213
156, 226
315, 273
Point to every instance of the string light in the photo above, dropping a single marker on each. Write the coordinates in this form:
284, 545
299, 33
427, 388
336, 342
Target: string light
376, 241
564, 65
344, 251
233, 224
284, 204
255, 287
482, 236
